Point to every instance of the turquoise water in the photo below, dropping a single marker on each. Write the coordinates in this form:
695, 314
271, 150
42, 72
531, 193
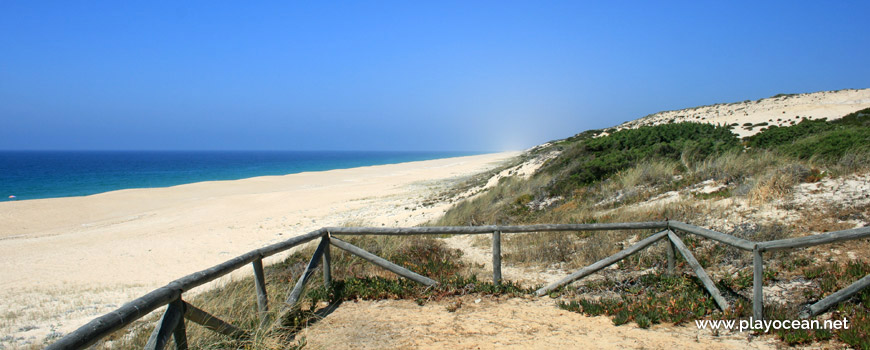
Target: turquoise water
42, 174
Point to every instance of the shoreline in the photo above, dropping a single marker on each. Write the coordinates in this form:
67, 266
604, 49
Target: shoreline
232, 169
68, 260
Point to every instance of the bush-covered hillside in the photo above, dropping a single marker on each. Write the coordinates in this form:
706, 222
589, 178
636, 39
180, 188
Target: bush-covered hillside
818, 138
594, 159
673, 155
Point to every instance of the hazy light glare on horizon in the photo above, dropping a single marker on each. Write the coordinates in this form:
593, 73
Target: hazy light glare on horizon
482, 76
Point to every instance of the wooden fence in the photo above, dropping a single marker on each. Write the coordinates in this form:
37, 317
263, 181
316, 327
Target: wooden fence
172, 323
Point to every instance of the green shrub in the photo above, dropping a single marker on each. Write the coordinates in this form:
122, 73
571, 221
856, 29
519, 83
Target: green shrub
830, 146
818, 139
650, 299
860, 119
776, 136
595, 159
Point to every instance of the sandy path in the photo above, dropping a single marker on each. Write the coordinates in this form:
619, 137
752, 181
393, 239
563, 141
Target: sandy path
526, 276
64, 261
517, 323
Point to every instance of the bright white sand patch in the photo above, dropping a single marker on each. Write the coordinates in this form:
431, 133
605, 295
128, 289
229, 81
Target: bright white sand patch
780, 111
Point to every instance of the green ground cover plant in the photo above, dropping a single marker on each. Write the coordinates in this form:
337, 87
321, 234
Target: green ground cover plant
678, 299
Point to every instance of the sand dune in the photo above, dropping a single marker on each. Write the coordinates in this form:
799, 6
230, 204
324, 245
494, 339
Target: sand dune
780, 110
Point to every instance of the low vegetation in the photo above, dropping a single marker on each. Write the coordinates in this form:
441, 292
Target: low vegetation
828, 141
679, 299
646, 300
596, 158
594, 178
686, 172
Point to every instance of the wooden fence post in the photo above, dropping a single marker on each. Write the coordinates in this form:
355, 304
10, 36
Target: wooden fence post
327, 264
496, 257
260, 285
180, 333
757, 285
170, 324
672, 259
296, 292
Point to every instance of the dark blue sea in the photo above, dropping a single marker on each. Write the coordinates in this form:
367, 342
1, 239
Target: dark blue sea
42, 174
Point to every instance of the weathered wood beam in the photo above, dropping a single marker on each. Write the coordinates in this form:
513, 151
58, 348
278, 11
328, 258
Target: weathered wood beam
716, 236
672, 258
496, 257
213, 323
327, 265
833, 299
699, 271
757, 285
588, 270
437, 230
104, 325
167, 326
830, 237
180, 336
260, 286
374, 259
290, 243
296, 293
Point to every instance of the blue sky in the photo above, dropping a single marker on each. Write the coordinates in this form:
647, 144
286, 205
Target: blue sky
404, 75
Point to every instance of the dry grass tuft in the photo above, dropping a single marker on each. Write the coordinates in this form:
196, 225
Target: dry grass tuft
778, 182
648, 174
832, 218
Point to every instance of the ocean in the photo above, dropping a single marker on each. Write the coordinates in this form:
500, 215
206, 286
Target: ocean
48, 174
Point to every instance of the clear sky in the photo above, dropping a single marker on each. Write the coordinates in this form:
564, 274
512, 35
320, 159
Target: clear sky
403, 75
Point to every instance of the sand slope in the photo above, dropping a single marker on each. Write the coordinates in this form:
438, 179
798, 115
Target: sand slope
497, 323
781, 111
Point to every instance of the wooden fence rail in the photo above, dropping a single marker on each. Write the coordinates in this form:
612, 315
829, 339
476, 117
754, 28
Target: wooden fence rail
588, 270
104, 325
808, 241
374, 259
677, 243
172, 322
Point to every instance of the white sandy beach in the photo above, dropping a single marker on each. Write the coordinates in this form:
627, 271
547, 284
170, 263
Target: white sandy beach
64, 261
